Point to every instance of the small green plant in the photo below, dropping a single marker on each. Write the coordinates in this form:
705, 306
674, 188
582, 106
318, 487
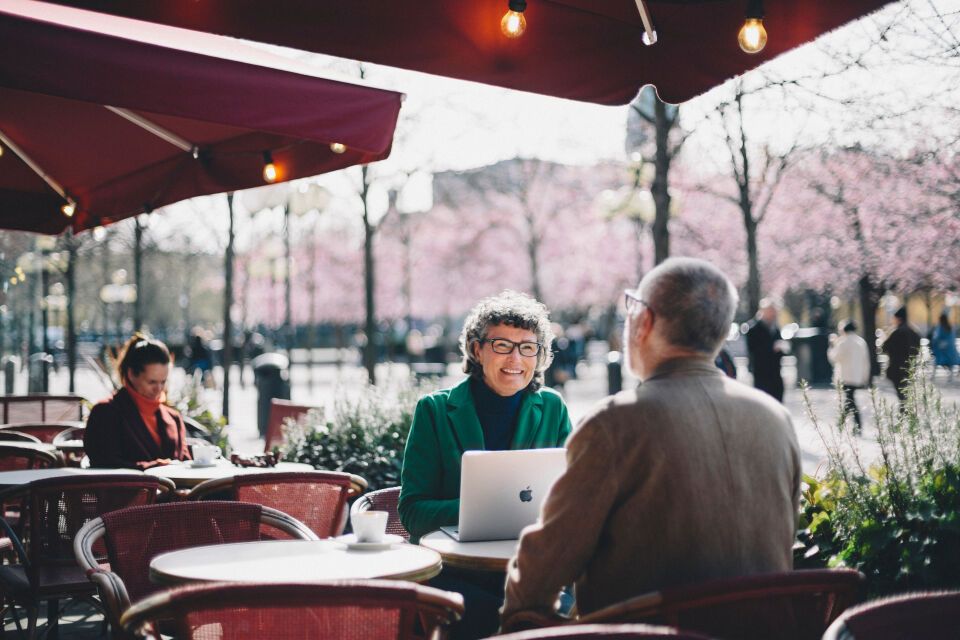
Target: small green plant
365, 435
896, 519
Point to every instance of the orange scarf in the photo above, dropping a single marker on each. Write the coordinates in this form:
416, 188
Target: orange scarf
148, 409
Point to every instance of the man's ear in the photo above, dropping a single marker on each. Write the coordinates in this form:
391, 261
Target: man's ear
644, 324
475, 349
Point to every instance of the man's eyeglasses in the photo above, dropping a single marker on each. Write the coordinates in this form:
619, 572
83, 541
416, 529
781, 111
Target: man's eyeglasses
504, 346
633, 303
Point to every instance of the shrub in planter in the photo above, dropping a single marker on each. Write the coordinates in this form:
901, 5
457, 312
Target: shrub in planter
365, 435
896, 519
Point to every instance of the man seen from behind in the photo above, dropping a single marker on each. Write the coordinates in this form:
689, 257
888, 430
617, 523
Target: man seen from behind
690, 477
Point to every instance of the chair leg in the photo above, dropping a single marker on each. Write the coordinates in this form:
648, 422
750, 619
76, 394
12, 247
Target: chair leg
32, 612
53, 619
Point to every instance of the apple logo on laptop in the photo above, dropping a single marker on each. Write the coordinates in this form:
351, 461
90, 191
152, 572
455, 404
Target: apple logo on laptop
526, 495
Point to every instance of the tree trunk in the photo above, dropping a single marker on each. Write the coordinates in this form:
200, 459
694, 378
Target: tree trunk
660, 187
870, 295
227, 305
369, 284
288, 284
753, 274
71, 320
138, 273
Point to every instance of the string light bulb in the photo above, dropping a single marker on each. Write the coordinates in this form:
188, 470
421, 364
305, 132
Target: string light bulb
69, 208
1, 150
269, 169
513, 23
338, 147
753, 35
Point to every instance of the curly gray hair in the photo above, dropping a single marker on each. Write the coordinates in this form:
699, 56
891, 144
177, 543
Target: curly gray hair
516, 310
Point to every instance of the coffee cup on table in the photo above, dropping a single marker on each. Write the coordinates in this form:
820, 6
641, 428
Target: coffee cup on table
369, 526
205, 453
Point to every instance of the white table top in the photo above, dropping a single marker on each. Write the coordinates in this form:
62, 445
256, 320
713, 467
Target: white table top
491, 555
11, 478
38, 446
292, 560
185, 474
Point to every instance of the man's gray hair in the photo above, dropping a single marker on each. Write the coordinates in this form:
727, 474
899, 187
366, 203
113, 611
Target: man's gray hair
516, 310
694, 300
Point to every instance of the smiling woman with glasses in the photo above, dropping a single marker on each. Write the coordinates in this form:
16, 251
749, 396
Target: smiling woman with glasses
506, 346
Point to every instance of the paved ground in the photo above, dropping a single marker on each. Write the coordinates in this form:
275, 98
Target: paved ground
323, 384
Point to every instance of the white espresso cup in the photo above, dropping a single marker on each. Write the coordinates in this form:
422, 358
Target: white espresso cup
369, 526
205, 453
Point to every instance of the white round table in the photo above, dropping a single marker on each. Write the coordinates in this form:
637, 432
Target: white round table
491, 555
292, 560
13, 478
186, 475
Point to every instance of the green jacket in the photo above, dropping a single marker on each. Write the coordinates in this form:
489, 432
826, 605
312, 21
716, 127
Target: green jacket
445, 425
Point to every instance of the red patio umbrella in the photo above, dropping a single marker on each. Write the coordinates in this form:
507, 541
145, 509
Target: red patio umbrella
122, 116
589, 50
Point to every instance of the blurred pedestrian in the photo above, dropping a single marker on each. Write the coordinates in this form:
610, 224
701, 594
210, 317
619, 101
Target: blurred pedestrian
766, 348
901, 346
943, 344
850, 356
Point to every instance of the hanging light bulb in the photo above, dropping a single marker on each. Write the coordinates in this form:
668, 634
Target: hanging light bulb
753, 35
269, 169
1, 150
513, 23
338, 147
69, 208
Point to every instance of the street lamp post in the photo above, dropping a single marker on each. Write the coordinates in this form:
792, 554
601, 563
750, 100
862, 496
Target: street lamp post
118, 292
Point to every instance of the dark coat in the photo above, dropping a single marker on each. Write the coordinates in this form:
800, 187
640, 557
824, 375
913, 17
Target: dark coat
116, 436
900, 346
764, 360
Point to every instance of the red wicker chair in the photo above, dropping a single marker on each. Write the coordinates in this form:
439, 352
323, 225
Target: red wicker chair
9, 435
134, 536
44, 431
41, 408
369, 609
795, 605
14, 457
932, 615
56, 508
317, 498
383, 500
605, 631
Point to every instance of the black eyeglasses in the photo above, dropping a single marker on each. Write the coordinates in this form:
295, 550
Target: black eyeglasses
504, 346
633, 303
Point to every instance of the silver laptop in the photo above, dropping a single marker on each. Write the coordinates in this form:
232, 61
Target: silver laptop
501, 491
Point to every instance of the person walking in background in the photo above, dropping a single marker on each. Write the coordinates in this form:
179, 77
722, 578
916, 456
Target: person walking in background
902, 344
850, 357
766, 348
943, 344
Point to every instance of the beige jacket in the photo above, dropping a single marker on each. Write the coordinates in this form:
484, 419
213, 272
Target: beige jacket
692, 476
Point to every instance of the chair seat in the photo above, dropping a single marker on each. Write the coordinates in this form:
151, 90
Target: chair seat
65, 580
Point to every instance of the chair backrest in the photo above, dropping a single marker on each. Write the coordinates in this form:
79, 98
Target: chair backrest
134, 536
316, 498
44, 431
795, 605
9, 435
606, 631
383, 500
369, 609
17, 458
41, 408
913, 615
280, 410
59, 507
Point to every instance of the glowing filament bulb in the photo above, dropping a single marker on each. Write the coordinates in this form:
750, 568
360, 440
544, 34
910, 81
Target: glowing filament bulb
69, 208
338, 147
269, 169
513, 24
752, 36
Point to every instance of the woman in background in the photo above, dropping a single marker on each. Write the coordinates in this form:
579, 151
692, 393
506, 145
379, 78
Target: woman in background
134, 428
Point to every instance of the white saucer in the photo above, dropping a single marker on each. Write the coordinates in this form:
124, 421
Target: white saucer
350, 540
202, 465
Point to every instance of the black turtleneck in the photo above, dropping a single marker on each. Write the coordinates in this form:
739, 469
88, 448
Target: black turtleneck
497, 414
